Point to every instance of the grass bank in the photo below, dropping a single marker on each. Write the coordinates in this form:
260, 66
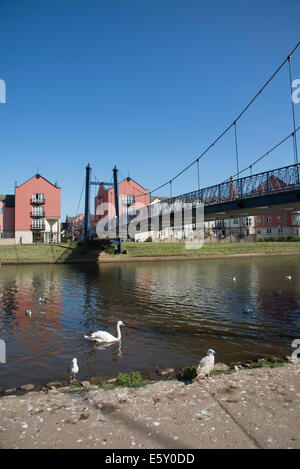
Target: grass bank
156, 250
42, 253
73, 252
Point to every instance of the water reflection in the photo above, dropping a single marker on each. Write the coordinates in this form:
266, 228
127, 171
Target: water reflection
173, 311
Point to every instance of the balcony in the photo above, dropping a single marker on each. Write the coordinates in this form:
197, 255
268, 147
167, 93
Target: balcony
37, 201
37, 227
37, 214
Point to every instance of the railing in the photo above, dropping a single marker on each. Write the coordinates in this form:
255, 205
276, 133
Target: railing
37, 227
37, 201
269, 182
37, 214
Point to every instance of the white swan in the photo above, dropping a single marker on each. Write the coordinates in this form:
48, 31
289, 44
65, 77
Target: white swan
288, 277
102, 336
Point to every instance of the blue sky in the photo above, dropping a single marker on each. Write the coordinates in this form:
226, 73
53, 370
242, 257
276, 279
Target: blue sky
146, 85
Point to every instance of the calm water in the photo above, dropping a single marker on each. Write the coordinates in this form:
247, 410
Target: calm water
173, 311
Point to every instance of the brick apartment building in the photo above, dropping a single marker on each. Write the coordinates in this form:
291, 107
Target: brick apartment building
32, 214
131, 197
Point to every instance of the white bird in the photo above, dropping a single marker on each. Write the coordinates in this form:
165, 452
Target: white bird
234, 279
42, 300
102, 336
28, 312
75, 368
1, 295
288, 277
206, 365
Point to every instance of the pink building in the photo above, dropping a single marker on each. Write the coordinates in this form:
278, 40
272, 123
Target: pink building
37, 211
277, 224
7, 216
132, 196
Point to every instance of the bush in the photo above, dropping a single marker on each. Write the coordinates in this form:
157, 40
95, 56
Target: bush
130, 380
188, 373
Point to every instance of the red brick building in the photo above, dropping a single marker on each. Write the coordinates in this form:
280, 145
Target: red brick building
37, 211
132, 196
277, 224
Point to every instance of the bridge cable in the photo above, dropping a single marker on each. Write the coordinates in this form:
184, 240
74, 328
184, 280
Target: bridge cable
80, 198
293, 113
236, 150
264, 155
235, 120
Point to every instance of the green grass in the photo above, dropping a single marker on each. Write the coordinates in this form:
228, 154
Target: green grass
65, 252
41, 252
209, 249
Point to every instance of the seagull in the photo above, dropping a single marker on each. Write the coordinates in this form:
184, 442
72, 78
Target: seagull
206, 365
28, 312
74, 369
42, 300
248, 310
288, 277
234, 279
102, 336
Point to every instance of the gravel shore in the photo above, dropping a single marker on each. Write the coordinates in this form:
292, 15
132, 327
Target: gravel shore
256, 408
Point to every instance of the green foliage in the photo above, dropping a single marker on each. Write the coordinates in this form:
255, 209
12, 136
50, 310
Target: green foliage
131, 380
187, 373
222, 372
265, 363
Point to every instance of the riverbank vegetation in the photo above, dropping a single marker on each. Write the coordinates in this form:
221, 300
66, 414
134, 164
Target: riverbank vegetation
73, 252
208, 250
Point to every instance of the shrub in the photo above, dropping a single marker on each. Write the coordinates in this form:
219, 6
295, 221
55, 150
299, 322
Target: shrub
188, 373
130, 380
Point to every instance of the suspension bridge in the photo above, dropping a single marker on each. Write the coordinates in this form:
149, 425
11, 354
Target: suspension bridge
270, 191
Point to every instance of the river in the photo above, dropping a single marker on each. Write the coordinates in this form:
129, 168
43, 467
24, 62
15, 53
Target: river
173, 312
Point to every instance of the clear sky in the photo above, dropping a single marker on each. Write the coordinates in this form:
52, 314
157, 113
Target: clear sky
143, 84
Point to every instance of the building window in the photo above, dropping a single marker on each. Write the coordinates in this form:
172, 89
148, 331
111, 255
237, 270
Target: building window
236, 232
219, 223
280, 219
38, 224
1, 234
247, 221
128, 199
269, 230
38, 197
235, 221
280, 230
38, 211
1, 209
258, 220
268, 219
130, 210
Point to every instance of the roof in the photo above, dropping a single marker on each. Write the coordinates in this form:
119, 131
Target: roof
37, 176
8, 199
161, 198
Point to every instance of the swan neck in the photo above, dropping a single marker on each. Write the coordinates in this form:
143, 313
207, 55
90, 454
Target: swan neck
119, 332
